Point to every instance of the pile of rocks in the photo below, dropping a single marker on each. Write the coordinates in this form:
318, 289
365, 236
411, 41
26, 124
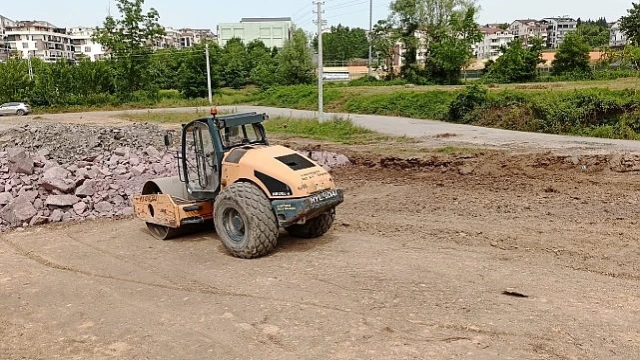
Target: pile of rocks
39, 190
66, 172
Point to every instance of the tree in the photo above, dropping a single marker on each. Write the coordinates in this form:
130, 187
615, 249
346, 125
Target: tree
594, 34
192, 74
383, 40
343, 43
294, 61
421, 20
630, 24
235, 63
517, 63
572, 56
262, 66
450, 49
128, 40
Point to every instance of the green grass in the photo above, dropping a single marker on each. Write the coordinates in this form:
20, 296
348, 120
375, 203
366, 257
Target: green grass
223, 97
336, 130
166, 117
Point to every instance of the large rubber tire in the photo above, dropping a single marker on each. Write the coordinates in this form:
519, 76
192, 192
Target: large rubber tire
245, 221
20, 112
313, 228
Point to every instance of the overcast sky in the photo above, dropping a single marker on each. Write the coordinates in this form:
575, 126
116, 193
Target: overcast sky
207, 14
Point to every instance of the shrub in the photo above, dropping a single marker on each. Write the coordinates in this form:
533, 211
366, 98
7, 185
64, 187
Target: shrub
473, 97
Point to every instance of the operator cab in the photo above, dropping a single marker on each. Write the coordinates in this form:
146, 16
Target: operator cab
205, 142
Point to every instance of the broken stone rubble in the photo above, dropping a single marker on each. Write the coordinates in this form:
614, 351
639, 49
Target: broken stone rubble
77, 172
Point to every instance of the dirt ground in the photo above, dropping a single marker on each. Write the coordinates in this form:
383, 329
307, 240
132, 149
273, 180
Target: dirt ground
478, 255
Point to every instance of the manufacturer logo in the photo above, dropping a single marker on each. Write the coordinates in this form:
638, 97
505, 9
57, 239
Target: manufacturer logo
324, 196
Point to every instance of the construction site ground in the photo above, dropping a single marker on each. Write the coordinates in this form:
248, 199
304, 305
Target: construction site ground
468, 253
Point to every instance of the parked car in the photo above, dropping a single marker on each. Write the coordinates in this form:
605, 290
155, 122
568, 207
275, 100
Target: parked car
15, 108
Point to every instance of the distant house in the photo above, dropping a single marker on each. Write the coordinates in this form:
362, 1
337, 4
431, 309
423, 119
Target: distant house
617, 37
557, 30
494, 39
526, 29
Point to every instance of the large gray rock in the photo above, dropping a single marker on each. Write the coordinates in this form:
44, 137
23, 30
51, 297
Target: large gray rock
56, 172
153, 152
86, 189
24, 165
103, 207
39, 220
66, 186
56, 215
62, 200
18, 211
5, 198
80, 208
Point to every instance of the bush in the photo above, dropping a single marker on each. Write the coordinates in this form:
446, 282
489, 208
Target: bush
422, 105
372, 81
473, 97
169, 94
298, 97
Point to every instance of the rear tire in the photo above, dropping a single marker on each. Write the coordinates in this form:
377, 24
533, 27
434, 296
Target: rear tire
20, 112
245, 221
313, 228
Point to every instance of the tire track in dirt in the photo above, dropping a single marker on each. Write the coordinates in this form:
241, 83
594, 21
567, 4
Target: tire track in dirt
205, 289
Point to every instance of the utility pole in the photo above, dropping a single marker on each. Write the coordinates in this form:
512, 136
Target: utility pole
370, 31
320, 63
208, 73
30, 66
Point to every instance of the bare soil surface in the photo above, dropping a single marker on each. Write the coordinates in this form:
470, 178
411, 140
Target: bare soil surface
472, 255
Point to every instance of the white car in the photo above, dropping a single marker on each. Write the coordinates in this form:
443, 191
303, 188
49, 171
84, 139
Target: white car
15, 108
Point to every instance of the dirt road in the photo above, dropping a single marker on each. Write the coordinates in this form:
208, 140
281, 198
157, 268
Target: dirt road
416, 268
428, 131
478, 256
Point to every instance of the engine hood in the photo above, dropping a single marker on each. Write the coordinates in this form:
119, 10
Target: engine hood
279, 171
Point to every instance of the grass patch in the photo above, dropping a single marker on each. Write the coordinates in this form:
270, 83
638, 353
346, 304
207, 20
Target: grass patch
223, 97
167, 117
336, 130
453, 150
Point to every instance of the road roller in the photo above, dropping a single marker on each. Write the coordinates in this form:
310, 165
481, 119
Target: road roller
232, 182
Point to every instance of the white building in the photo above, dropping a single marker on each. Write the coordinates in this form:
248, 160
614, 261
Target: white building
557, 30
527, 29
192, 37
84, 45
4, 44
494, 39
273, 32
182, 38
618, 37
40, 39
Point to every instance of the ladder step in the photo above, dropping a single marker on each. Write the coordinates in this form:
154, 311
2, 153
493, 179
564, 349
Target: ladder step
193, 221
192, 208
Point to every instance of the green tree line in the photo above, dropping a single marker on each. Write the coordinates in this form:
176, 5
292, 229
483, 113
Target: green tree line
135, 73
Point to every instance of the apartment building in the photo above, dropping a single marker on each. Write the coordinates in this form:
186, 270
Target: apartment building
84, 45
273, 32
39, 39
192, 37
617, 37
5, 51
182, 38
494, 40
527, 29
557, 30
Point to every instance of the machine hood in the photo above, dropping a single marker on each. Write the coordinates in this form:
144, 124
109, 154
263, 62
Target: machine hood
280, 171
